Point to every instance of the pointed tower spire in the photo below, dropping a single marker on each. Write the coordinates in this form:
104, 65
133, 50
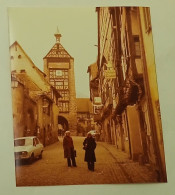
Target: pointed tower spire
57, 35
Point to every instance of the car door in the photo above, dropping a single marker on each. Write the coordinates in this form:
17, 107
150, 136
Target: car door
38, 146
35, 146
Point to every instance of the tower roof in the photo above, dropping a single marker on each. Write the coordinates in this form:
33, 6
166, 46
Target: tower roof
58, 51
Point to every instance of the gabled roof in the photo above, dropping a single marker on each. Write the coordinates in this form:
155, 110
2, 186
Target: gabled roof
33, 65
58, 51
24, 77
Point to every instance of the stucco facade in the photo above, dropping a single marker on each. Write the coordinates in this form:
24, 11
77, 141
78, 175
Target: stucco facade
34, 99
24, 112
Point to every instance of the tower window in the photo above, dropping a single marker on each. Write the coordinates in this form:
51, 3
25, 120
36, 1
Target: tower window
59, 78
63, 106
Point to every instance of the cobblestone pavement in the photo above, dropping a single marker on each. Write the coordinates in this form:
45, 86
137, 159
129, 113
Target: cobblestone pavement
112, 167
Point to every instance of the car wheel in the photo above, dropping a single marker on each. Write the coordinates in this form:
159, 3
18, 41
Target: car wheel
41, 155
31, 159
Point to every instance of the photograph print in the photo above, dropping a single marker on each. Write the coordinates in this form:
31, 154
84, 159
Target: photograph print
85, 96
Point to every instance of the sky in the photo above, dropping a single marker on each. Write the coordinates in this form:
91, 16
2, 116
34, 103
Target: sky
34, 29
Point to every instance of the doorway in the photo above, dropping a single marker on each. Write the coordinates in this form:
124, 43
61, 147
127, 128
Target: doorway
63, 122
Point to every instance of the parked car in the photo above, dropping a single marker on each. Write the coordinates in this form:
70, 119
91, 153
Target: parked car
95, 134
28, 148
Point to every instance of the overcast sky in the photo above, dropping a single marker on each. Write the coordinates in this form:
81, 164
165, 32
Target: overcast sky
34, 30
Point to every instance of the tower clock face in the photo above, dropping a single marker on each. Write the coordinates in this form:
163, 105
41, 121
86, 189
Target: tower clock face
59, 72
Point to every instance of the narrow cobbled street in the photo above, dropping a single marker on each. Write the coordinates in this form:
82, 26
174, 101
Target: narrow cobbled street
112, 167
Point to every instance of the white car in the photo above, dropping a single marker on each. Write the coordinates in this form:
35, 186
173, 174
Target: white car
28, 148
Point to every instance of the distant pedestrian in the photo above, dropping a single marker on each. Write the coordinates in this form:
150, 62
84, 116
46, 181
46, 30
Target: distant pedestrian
60, 129
62, 132
69, 149
89, 147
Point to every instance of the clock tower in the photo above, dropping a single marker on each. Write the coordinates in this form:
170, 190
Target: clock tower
59, 70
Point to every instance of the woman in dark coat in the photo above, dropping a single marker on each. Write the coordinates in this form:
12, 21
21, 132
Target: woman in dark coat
69, 149
89, 146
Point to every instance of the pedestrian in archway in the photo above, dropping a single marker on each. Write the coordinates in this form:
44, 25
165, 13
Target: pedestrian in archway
62, 132
89, 147
69, 149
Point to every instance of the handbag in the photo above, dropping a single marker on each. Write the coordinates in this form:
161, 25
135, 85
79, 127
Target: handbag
85, 144
84, 147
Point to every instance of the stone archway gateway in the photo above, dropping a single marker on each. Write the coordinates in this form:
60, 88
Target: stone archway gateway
63, 122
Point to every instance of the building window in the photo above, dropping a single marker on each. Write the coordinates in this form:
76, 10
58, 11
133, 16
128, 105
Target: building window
147, 19
137, 46
64, 94
59, 83
51, 74
63, 106
59, 79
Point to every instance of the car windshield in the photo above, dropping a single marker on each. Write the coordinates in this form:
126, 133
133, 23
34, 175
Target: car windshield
23, 142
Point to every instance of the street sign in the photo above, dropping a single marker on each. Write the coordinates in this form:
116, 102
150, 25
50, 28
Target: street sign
110, 74
97, 100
